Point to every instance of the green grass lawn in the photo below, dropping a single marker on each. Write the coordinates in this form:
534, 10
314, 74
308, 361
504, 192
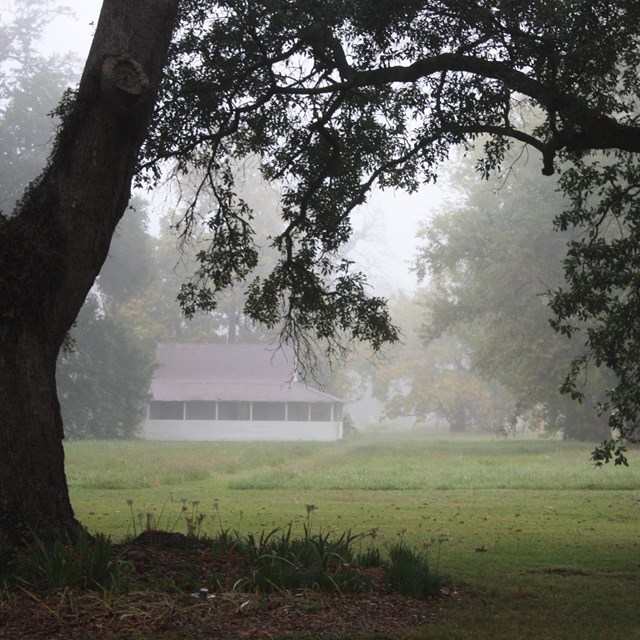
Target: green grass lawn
541, 543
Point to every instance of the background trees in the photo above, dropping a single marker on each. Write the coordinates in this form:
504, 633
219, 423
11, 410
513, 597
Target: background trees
103, 381
493, 258
31, 85
104, 375
433, 383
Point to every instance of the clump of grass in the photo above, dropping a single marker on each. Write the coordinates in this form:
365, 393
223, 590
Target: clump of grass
83, 562
184, 475
370, 556
315, 561
409, 573
264, 481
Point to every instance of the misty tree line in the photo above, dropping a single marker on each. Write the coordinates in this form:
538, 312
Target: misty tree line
480, 351
477, 353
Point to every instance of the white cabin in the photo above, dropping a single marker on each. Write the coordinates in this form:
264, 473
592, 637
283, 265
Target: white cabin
243, 392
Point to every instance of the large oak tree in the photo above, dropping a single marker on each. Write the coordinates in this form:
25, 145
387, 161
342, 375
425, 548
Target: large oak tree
335, 96
51, 251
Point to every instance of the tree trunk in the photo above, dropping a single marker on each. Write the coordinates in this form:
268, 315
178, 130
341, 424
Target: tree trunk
458, 422
232, 331
52, 249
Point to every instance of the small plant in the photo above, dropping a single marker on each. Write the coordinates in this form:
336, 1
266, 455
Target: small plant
86, 562
225, 541
215, 515
408, 571
371, 556
437, 541
311, 509
48, 566
6, 581
133, 517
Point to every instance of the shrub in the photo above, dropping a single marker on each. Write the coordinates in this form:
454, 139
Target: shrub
349, 429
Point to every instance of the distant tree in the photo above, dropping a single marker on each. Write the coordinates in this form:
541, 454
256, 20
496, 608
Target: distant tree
103, 380
104, 376
30, 88
435, 382
490, 257
132, 263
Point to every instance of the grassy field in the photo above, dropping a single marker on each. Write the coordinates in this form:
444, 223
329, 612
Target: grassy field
541, 543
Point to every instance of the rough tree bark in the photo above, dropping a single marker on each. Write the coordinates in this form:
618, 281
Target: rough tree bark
52, 249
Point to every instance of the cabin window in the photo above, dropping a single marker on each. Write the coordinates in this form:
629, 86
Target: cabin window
162, 410
321, 412
234, 411
200, 410
269, 410
298, 411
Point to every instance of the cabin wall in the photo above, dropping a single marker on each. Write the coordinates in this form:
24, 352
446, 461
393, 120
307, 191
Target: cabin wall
241, 430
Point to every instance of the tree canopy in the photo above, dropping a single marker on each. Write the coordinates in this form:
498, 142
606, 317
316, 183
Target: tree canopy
600, 304
338, 96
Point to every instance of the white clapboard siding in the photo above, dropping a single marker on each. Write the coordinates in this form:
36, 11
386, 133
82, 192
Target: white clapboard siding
241, 430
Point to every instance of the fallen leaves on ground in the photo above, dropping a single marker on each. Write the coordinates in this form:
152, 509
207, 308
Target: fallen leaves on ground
166, 609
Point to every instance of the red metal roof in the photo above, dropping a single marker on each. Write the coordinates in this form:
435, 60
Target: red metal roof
229, 372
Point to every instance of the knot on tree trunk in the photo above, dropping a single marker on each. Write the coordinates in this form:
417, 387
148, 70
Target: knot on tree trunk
125, 88
124, 73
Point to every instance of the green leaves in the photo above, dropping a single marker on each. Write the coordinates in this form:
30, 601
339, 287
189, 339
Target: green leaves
336, 97
327, 310
602, 301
